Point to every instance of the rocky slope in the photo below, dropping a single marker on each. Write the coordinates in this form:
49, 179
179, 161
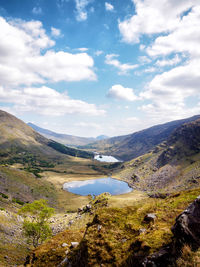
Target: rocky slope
133, 145
137, 235
172, 165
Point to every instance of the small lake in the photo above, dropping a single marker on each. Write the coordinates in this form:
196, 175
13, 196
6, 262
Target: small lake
97, 187
103, 158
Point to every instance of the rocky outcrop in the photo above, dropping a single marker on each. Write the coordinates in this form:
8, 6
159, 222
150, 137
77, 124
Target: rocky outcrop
187, 227
186, 231
183, 142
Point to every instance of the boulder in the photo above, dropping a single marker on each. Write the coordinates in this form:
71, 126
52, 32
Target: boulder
74, 244
64, 245
150, 217
187, 226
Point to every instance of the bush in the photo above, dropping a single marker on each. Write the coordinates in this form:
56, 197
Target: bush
3, 195
18, 201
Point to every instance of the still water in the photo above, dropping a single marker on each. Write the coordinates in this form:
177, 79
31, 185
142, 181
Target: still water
97, 186
103, 158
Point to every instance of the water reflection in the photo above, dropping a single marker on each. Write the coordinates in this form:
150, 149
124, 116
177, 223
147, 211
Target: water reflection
97, 186
103, 158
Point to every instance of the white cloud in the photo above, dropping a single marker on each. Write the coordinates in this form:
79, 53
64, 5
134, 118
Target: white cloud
109, 7
55, 32
153, 16
82, 49
98, 53
46, 101
170, 62
37, 10
24, 42
121, 93
184, 38
150, 70
123, 68
81, 12
88, 125
176, 25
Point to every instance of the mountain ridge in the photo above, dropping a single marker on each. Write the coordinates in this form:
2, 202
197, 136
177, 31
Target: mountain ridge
66, 139
136, 144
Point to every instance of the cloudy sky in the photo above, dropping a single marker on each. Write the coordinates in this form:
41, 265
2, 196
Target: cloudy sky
91, 67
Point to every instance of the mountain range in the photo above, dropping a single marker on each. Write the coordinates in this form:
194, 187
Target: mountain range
130, 146
161, 164
66, 139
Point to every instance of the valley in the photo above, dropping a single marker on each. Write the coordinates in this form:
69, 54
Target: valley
111, 230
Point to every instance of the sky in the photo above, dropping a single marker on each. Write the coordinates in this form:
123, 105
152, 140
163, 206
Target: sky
92, 67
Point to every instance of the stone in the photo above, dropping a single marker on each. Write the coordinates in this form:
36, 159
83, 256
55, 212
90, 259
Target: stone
74, 244
64, 245
64, 262
80, 210
187, 225
142, 230
150, 217
70, 222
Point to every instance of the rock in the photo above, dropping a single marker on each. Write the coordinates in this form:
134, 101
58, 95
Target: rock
64, 262
187, 226
80, 210
186, 230
70, 222
150, 217
159, 259
64, 245
99, 227
74, 244
87, 207
142, 230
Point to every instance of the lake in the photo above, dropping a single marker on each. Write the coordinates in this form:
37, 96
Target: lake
103, 158
97, 187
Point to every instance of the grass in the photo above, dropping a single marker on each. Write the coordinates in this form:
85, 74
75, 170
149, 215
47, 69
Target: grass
113, 233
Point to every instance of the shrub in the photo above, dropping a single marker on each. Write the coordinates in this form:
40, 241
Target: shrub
36, 226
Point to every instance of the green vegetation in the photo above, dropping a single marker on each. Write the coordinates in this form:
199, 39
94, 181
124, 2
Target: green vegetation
36, 226
3, 195
70, 151
18, 201
115, 236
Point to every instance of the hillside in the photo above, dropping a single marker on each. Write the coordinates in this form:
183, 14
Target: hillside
133, 145
17, 139
66, 139
161, 228
170, 166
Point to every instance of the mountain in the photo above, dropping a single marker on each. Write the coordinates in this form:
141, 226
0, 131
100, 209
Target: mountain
171, 166
66, 139
133, 145
102, 137
17, 138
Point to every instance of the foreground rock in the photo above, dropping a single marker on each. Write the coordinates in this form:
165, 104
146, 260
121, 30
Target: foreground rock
186, 231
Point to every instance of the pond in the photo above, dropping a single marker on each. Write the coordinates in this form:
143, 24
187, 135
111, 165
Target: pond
103, 158
97, 187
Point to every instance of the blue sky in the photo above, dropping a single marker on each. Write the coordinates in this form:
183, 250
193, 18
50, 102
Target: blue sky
91, 67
